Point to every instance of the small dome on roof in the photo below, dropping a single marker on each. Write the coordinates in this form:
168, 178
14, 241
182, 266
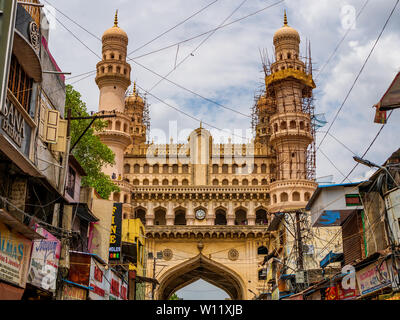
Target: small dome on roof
134, 98
286, 32
115, 30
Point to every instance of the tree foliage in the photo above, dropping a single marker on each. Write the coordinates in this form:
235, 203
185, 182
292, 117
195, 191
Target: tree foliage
91, 153
174, 297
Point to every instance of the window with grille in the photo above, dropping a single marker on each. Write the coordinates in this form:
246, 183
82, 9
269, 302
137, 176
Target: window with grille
20, 83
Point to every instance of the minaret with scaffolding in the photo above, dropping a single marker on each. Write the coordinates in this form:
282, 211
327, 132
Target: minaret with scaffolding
283, 118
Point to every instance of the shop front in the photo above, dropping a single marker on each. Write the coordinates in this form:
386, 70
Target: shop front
43, 269
15, 250
101, 282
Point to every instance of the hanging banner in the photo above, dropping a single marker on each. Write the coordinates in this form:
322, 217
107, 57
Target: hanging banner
98, 281
114, 285
15, 252
124, 290
115, 233
44, 261
117, 287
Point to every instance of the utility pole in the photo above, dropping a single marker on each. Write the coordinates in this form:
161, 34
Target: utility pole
300, 262
154, 276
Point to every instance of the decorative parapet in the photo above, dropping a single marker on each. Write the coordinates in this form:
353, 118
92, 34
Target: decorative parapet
205, 193
204, 232
200, 189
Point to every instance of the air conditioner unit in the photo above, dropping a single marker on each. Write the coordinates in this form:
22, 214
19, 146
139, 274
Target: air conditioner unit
392, 202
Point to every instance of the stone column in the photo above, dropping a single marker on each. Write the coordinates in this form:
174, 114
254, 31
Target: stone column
190, 214
170, 216
251, 215
150, 214
210, 214
230, 217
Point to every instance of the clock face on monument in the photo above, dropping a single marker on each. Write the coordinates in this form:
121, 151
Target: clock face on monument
200, 214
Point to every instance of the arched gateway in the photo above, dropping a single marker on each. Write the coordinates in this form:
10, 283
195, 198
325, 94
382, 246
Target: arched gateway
208, 207
200, 267
223, 255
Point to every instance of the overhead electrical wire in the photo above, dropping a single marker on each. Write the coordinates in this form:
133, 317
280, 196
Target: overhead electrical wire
331, 162
77, 24
89, 73
360, 72
186, 114
172, 28
356, 78
212, 30
341, 41
370, 145
198, 46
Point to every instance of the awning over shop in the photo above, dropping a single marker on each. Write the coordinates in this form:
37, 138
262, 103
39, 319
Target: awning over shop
19, 159
391, 98
287, 276
9, 292
330, 258
18, 226
84, 212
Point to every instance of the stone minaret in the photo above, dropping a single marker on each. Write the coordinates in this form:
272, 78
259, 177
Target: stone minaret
113, 79
290, 126
134, 108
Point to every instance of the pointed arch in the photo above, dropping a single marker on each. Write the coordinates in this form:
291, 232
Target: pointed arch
201, 267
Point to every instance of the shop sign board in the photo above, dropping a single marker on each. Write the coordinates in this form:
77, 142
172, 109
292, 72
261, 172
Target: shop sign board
346, 294
331, 293
44, 261
117, 287
370, 279
98, 281
71, 292
114, 285
115, 232
15, 252
124, 290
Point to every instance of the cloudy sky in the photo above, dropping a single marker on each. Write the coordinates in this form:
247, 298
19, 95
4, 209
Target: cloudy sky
226, 66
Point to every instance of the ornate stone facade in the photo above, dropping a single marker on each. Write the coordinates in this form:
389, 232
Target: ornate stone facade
208, 206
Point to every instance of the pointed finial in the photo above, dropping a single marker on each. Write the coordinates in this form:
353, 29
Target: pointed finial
201, 123
285, 19
134, 87
116, 19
